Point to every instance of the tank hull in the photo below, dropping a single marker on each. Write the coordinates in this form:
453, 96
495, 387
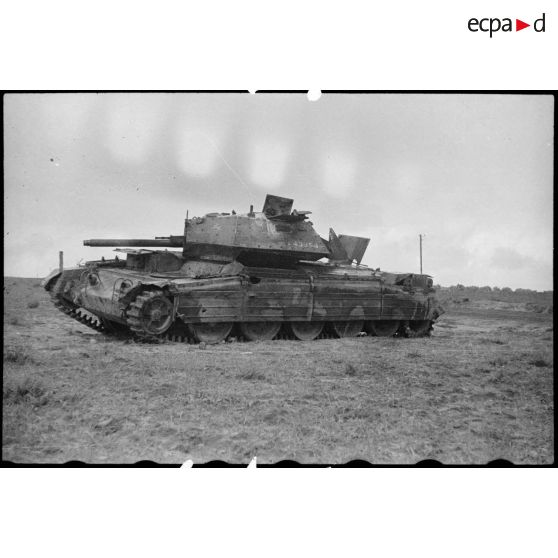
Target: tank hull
306, 293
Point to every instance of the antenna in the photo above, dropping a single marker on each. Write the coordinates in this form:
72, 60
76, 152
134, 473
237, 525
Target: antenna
238, 177
421, 236
185, 234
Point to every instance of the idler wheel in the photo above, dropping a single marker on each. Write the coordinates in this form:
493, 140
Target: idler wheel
383, 328
211, 332
420, 328
348, 329
306, 331
260, 331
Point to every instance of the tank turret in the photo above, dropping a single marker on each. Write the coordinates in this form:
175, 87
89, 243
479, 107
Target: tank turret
276, 236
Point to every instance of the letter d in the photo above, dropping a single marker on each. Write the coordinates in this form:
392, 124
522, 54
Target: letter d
535, 25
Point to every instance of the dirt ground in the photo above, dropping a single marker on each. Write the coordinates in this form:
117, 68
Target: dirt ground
479, 389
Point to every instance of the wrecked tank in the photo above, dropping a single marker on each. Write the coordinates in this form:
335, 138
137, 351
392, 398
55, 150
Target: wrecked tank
254, 276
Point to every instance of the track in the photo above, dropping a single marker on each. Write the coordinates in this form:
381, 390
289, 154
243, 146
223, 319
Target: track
79, 315
177, 333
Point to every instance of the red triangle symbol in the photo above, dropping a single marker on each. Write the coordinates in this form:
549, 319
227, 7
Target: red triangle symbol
519, 25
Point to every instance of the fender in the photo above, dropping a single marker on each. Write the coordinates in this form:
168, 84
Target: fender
49, 280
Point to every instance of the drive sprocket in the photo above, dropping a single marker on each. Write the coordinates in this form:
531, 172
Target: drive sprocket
150, 315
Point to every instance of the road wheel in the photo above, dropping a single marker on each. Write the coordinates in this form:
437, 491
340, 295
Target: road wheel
211, 332
260, 331
348, 329
151, 314
383, 328
306, 331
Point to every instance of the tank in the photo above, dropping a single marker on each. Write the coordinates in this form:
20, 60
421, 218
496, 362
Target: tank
254, 276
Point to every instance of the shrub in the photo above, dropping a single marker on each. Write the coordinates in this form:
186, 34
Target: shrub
506, 290
17, 355
540, 363
24, 390
33, 304
498, 362
253, 375
495, 341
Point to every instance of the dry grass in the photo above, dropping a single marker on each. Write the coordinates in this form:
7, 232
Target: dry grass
479, 389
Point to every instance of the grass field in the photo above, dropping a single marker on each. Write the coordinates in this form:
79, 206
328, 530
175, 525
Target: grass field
481, 388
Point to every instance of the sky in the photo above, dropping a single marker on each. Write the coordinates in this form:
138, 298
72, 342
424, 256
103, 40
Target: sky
473, 173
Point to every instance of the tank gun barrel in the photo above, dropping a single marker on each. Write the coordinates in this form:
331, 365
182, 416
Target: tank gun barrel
159, 242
